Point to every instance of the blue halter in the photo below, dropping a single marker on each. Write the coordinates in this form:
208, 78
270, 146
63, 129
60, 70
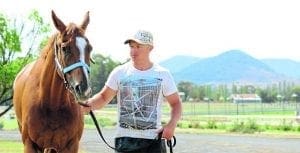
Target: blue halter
69, 68
74, 66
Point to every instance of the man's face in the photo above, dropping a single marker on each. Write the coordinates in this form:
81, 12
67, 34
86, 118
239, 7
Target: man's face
139, 51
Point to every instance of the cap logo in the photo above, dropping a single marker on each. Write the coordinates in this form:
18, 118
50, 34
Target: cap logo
145, 37
142, 37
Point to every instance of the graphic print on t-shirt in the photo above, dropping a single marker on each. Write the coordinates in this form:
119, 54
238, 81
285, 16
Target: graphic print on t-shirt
138, 103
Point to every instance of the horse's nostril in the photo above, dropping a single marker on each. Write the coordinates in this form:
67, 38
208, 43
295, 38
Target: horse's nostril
78, 88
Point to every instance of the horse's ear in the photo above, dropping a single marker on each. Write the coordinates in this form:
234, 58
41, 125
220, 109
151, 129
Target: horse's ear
86, 21
92, 60
58, 23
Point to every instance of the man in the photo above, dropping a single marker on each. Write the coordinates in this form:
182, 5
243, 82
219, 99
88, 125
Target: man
140, 86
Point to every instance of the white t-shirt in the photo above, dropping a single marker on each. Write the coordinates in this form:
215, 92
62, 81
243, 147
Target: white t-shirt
140, 96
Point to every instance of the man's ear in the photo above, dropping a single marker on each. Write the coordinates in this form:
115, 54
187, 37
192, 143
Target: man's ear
151, 47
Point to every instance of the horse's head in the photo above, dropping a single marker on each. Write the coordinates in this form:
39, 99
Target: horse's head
72, 56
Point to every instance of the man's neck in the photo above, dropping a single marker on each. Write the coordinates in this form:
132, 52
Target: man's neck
143, 65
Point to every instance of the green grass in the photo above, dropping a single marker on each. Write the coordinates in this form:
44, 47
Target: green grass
195, 119
8, 124
11, 147
15, 147
219, 108
195, 115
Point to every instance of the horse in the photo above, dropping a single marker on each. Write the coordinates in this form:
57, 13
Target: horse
47, 91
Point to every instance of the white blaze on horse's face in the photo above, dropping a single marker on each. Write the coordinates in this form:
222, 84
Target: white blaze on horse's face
81, 44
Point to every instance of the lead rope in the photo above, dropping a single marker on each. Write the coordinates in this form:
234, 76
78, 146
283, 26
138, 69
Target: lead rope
170, 144
99, 130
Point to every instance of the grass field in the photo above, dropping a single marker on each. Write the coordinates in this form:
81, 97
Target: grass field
201, 113
11, 147
270, 119
14, 147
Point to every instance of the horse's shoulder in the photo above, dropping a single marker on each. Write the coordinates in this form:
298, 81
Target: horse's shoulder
24, 73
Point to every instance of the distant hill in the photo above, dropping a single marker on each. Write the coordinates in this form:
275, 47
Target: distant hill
284, 66
178, 63
228, 67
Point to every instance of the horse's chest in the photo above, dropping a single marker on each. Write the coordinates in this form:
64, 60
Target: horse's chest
49, 125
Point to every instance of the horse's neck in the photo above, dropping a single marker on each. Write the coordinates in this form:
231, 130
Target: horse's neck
52, 88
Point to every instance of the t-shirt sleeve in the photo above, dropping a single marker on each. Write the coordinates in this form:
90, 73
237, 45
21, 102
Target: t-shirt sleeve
169, 86
112, 81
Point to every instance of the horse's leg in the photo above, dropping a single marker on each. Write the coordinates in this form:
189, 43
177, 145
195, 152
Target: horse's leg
72, 147
29, 147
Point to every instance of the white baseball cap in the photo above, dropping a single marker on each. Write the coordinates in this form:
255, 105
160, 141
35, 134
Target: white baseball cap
141, 37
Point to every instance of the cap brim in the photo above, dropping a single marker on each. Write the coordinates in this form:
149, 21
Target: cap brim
137, 41
127, 41
132, 39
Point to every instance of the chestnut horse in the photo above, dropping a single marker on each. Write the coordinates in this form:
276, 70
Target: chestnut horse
47, 92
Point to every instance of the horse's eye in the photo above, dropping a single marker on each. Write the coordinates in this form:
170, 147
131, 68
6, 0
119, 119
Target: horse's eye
66, 49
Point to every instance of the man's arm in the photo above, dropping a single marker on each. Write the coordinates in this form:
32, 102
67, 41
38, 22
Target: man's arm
176, 110
100, 99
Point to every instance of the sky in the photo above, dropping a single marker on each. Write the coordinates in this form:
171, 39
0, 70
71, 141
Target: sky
202, 28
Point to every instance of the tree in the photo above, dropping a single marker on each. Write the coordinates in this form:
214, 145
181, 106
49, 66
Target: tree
296, 91
234, 89
198, 92
186, 87
10, 43
221, 93
14, 53
267, 95
100, 71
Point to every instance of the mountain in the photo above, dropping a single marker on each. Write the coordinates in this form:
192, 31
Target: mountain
178, 63
228, 67
284, 66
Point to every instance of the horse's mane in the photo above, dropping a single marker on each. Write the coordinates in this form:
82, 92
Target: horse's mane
49, 46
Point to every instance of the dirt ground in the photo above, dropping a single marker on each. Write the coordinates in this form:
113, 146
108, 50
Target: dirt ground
193, 143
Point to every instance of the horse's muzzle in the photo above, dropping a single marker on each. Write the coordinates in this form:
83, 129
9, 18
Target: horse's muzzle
82, 91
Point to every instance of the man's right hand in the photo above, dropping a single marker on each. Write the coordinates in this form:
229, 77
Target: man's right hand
86, 107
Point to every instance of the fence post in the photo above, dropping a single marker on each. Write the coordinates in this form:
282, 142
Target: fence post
237, 108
